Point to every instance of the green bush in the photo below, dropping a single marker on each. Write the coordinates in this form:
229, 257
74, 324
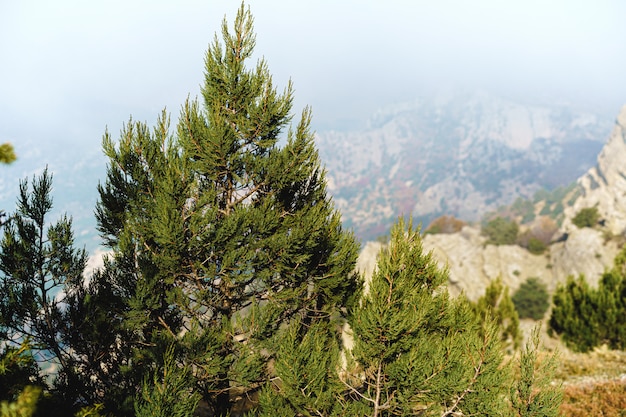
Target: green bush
586, 317
501, 231
496, 303
536, 246
587, 217
531, 300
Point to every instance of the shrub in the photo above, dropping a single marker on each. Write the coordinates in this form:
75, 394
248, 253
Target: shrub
531, 300
445, 224
536, 246
497, 303
537, 238
587, 217
586, 317
501, 231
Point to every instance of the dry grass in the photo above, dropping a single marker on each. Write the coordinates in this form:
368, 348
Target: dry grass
595, 399
594, 383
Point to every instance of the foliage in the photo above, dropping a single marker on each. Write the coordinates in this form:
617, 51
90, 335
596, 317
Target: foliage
7, 154
500, 231
533, 395
538, 236
18, 369
168, 393
586, 217
25, 404
445, 224
221, 237
585, 317
18, 375
531, 299
415, 348
307, 380
497, 305
39, 267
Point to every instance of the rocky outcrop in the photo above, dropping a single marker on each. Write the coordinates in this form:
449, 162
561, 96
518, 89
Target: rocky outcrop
473, 264
604, 186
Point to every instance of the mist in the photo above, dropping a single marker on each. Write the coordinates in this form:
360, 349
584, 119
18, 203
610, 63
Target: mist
72, 68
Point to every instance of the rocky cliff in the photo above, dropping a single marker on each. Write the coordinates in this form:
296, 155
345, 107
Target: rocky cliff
462, 154
588, 251
604, 186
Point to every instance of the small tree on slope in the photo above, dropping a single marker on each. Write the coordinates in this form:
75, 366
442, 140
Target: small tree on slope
418, 350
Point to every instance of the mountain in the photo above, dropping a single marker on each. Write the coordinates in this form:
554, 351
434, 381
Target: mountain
473, 263
604, 185
455, 153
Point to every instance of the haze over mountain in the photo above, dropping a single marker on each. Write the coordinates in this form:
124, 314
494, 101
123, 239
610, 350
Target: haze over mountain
456, 153
473, 262
71, 68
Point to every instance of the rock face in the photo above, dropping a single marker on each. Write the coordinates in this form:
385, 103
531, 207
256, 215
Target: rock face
473, 265
462, 154
589, 251
604, 186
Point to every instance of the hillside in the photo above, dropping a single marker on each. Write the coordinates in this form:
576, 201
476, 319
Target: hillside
463, 154
590, 250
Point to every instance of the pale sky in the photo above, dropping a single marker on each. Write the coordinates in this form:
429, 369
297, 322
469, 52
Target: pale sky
68, 68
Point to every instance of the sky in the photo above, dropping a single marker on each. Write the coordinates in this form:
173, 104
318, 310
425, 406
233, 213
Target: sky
71, 68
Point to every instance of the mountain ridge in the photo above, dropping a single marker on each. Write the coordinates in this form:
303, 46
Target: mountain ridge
473, 262
456, 153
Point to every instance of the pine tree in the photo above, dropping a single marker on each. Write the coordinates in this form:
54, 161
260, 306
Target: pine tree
497, 304
531, 299
417, 350
167, 394
533, 394
585, 317
40, 268
573, 315
221, 237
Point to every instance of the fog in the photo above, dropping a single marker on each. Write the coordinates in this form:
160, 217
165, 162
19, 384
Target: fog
70, 68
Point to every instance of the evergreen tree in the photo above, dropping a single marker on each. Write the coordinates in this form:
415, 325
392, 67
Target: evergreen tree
307, 380
220, 235
573, 315
168, 393
500, 231
40, 268
533, 394
586, 317
497, 304
531, 299
417, 350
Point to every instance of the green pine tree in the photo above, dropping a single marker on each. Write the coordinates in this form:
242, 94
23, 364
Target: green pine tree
531, 299
574, 315
497, 304
39, 268
587, 317
168, 392
220, 235
307, 381
534, 394
418, 351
